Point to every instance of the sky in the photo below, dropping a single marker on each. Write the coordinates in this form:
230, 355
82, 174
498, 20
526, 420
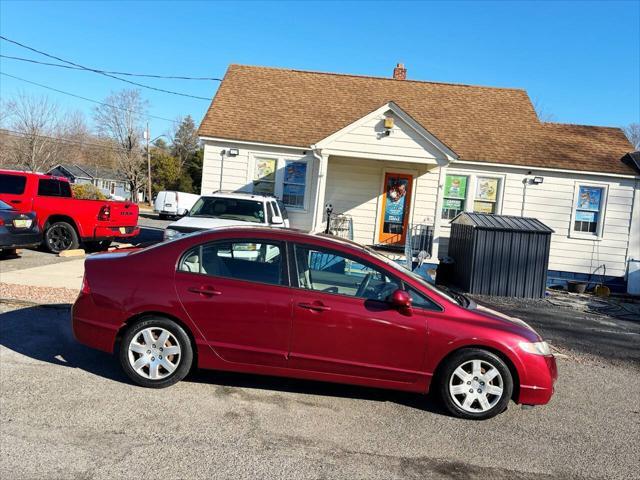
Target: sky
580, 61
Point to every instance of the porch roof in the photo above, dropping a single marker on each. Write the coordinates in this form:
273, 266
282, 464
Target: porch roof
497, 125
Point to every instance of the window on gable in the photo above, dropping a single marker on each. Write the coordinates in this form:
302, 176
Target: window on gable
588, 209
455, 194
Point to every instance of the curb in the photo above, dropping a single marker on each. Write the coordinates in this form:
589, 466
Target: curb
29, 303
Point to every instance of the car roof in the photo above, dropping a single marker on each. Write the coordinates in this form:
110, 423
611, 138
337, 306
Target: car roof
35, 174
290, 234
239, 195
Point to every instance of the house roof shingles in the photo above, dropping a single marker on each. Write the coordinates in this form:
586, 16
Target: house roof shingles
484, 124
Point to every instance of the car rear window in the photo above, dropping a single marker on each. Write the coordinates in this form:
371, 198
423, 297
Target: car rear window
54, 188
229, 209
12, 184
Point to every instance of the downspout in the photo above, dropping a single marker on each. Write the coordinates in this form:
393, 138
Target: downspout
315, 151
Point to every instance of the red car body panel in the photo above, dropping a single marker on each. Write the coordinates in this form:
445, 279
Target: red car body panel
122, 221
257, 328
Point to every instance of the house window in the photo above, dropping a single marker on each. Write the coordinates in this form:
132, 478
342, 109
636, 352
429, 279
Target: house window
588, 209
264, 176
455, 193
295, 176
486, 195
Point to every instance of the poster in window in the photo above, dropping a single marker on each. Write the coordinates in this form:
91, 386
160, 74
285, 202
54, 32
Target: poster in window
395, 202
450, 203
589, 198
483, 207
265, 169
295, 172
487, 189
455, 186
582, 216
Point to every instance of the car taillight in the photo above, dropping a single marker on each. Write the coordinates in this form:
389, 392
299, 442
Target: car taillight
1, 222
85, 286
105, 213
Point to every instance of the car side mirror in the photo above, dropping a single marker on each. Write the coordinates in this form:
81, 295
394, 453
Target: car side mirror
401, 300
276, 220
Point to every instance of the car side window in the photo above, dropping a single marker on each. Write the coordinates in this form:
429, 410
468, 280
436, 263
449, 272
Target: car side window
330, 272
12, 184
253, 261
422, 301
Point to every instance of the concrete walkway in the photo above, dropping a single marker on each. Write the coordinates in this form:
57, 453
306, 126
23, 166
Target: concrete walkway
58, 275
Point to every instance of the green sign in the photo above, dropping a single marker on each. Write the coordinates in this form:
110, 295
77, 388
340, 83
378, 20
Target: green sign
455, 186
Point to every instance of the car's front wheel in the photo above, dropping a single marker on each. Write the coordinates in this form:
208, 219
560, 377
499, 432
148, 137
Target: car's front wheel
156, 352
475, 384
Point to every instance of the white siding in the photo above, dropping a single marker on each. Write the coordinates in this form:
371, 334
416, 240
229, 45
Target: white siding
354, 187
369, 141
552, 203
237, 173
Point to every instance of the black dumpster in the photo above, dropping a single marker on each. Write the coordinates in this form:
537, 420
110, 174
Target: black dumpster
499, 255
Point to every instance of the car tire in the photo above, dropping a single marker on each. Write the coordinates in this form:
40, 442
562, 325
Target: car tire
162, 216
60, 236
141, 354
475, 384
99, 246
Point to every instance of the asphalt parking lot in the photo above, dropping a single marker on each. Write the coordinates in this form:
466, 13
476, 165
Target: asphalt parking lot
69, 412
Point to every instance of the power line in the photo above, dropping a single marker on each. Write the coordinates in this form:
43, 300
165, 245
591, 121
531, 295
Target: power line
148, 75
14, 133
102, 72
85, 98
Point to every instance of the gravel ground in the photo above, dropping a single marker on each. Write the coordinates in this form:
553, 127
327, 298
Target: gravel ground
41, 295
69, 412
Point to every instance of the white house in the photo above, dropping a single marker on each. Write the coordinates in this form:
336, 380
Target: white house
390, 154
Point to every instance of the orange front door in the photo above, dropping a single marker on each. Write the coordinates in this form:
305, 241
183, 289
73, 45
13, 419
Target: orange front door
396, 203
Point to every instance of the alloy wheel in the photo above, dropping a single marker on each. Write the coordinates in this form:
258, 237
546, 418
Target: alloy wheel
59, 238
154, 353
476, 386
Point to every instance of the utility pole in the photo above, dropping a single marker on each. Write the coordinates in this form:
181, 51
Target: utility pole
148, 136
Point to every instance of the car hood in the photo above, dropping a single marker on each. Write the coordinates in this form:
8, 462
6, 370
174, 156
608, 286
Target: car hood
203, 223
495, 315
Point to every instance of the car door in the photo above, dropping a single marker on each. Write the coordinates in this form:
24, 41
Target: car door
343, 323
237, 292
12, 191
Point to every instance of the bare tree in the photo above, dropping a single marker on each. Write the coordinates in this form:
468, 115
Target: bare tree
120, 119
32, 123
632, 131
544, 115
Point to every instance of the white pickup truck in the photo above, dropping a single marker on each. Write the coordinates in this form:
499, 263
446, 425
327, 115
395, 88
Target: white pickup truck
222, 209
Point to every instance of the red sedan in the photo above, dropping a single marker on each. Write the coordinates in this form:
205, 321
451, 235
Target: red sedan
284, 303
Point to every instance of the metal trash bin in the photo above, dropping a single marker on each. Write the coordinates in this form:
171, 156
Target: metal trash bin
499, 255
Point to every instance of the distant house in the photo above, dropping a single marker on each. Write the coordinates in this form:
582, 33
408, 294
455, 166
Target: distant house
111, 183
392, 154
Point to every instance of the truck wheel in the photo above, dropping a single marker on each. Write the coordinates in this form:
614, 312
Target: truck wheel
60, 236
100, 246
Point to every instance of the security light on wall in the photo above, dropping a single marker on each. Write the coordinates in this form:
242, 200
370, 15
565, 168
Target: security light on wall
388, 125
537, 180
233, 152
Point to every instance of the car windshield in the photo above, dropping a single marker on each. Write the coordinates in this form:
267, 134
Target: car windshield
453, 297
5, 206
229, 209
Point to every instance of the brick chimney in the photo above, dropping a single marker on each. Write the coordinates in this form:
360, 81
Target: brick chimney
400, 73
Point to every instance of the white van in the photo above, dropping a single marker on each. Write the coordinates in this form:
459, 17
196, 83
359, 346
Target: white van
174, 204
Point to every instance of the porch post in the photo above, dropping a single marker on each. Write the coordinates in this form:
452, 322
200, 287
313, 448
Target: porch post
321, 184
437, 218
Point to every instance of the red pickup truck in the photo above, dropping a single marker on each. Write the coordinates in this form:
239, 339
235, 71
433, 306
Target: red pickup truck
64, 220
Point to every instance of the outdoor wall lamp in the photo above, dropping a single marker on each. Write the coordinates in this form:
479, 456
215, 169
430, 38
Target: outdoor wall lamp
537, 180
233, 152
388, 125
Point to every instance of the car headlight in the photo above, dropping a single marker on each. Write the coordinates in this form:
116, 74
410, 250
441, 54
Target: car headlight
170, 234
536, 348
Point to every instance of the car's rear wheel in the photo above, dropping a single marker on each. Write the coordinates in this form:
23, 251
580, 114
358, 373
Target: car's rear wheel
475, 384
156, 352
60, 236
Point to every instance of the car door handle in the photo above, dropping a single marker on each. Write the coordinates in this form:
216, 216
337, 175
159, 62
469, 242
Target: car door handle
206, 291
15, 201
316, 307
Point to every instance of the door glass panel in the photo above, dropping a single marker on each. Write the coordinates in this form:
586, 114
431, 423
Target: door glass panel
395, 211
329, 272
250, 261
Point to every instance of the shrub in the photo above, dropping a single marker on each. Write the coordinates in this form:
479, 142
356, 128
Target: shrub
87, 191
